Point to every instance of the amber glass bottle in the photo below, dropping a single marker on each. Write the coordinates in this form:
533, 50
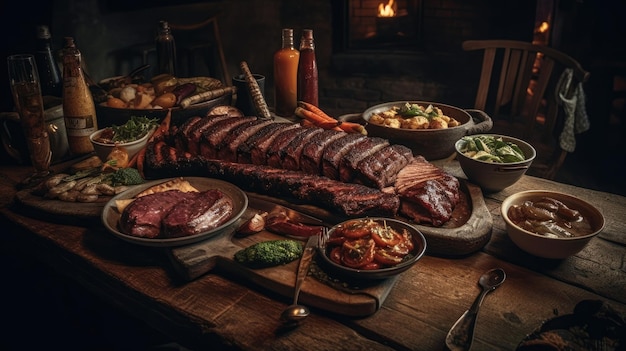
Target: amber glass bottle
286, 76
79, 108
307, 69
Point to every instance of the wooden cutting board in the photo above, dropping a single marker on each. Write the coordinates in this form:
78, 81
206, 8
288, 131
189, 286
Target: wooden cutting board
319, 290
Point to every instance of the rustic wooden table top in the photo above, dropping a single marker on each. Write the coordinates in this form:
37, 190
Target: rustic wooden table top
416, 315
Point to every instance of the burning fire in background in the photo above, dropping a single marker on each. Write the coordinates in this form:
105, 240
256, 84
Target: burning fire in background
388, 10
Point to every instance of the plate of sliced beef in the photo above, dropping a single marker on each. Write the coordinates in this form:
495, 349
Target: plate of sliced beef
174, 217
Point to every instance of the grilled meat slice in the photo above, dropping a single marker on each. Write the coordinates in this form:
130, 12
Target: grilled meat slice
196, 213
358, 152
213, 136
334, 153
347, 199
293, 150
244, 150
381, 168
227, 150
193, 134
162, 161
277, 151
143, 217
311, 157
181, 134
260, 151
428, 194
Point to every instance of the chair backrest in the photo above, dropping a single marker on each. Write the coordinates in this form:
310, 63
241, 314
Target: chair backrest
526, 72
519, 80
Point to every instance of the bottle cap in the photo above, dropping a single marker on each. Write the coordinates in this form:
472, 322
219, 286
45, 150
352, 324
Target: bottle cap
43, 32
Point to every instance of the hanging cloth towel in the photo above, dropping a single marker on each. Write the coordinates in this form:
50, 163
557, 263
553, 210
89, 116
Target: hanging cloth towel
576, 119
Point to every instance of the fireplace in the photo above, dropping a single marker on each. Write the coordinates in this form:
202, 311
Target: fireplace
383, 24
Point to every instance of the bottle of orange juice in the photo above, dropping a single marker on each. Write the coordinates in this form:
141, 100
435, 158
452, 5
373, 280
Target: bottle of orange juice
286, 76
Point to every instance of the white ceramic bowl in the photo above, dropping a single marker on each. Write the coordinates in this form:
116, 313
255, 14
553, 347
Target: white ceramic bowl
551, 247
494, 177
104, 149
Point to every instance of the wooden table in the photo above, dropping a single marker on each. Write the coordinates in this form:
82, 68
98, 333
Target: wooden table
216, 309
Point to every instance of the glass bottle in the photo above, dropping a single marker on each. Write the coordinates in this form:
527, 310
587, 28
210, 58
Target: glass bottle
286, 76
79, 109
49, 73
165, 49
307, 69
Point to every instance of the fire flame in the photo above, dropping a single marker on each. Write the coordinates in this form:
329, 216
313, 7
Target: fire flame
387, 10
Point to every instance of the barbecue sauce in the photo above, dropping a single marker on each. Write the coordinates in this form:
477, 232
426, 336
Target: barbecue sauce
79, 108
286, 76
307, 70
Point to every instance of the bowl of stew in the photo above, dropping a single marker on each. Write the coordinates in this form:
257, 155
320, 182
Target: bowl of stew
550, 224
371, 248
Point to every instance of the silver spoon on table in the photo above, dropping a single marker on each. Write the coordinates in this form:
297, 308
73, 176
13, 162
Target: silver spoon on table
295, 313
461, 334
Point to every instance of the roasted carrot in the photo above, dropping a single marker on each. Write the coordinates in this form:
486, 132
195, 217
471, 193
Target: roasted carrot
312, 116
206, 96
255, 92
314, 109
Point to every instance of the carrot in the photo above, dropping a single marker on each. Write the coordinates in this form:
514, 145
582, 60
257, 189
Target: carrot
206, 96
314, 109
351, 127
255, 92
312, 116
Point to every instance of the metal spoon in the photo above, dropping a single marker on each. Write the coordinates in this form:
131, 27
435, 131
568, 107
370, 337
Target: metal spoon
295, 313
461, 334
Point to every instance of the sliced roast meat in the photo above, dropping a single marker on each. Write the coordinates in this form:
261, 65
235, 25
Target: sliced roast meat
194, 134
293, 150
244, 150
227, 149
181, 134
261, 151
347, 199
311, 157
428, 202
213, 136
143, 217
162, 161
334, 153
277, 150
196, 213
350, 161
380, 169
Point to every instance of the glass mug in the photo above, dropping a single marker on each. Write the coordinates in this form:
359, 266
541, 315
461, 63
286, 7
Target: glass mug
26, 91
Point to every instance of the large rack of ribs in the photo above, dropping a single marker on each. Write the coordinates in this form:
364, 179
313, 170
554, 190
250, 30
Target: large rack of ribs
347, 174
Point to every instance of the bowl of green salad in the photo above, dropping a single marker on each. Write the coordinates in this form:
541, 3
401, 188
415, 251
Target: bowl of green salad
129, 138
492, 161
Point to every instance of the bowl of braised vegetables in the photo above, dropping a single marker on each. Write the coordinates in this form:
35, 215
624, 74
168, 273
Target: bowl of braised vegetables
371, 248
430, 129
119, 143
120, 98
494, 162
550, 224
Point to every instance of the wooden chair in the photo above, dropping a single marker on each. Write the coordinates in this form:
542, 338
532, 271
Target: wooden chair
518, 89
201, 39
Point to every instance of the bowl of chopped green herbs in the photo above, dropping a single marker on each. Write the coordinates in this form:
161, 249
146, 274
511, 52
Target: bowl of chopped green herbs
130, 137
493, 161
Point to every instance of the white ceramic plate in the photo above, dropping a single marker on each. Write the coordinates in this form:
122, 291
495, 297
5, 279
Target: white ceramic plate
111, 216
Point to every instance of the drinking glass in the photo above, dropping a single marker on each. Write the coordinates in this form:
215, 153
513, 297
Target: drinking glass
26, 90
